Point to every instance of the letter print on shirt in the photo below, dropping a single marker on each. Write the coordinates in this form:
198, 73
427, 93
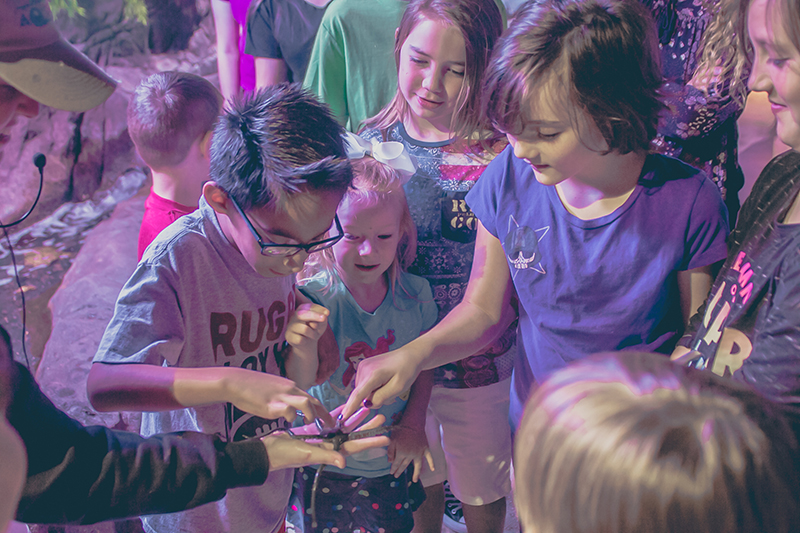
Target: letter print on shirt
522, 247
255, 340
730, 346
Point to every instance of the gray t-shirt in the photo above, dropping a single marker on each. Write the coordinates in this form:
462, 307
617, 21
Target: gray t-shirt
193, 301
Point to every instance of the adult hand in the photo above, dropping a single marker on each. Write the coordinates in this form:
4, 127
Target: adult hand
271, 397
381, 378
286, 452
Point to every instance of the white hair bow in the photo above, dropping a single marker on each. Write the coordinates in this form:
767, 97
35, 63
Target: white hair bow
391, 153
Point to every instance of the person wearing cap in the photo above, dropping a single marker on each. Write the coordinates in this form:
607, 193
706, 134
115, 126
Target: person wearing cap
38, 62
55, 470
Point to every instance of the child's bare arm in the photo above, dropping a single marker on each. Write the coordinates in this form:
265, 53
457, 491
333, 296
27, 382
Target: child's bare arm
483, 315
303, 333
694, 286
408, 441
227, 30
144, 387
270, 71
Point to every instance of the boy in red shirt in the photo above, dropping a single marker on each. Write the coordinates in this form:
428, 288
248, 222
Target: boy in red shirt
170, 118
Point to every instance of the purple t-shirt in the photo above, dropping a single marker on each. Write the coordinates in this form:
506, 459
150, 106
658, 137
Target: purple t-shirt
610, 283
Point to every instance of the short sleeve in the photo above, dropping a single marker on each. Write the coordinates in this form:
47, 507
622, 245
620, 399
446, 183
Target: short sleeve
326, 73
430, 311
261, 40
147, 325
706, 113
707, 228
484, 197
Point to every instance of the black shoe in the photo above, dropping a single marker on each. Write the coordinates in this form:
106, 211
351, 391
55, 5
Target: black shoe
453, 511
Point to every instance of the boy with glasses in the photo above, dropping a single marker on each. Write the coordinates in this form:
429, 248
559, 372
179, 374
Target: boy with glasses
214, 298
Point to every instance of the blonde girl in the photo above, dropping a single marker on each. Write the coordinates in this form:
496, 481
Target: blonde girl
375, 306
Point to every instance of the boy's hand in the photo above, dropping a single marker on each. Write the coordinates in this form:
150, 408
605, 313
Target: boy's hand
408, 445
681, 355
271, 397
309, 321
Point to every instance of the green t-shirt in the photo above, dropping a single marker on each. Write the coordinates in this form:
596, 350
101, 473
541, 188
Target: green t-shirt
352, 66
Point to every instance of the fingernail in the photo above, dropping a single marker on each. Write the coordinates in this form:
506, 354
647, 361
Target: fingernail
340, 417
320, 425
367, 403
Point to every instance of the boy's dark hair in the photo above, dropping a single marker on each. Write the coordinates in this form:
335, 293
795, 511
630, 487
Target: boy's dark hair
276, 142
631, 442
604, 52
168, 112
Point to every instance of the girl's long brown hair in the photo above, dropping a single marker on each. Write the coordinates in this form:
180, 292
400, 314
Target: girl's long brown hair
480, 24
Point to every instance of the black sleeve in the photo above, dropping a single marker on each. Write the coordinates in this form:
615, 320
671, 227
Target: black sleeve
84, 475
770, 191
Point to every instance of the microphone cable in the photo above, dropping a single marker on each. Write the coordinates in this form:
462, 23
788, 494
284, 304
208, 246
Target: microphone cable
40, 161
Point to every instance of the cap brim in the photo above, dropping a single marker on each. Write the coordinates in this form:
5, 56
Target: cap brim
57, 75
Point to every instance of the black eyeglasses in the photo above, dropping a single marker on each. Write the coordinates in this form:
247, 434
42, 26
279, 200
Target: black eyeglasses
287, 250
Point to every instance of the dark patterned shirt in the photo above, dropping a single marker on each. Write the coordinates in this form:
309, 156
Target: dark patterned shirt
446, 231
750, 324
701, 128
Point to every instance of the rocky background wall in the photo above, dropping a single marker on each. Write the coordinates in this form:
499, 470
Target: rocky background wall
79, 245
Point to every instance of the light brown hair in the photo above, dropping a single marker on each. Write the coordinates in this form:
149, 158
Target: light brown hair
628, 442
168, 112
481, 24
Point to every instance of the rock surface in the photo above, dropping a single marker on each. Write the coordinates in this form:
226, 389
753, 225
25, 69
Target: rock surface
86, 154
81, 309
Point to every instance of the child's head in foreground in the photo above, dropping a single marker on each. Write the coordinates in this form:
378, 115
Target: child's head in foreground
278, 171
380, 237
629, 442
170, 116
587, 69
442, 48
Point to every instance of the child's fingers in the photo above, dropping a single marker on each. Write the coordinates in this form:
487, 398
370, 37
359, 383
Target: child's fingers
398, 467
429, 458
354, 446
312, 313
309, 407
353, 423
417, 469
303, 330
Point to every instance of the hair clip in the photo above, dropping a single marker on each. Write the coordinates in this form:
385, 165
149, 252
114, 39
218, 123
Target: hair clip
391, 153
